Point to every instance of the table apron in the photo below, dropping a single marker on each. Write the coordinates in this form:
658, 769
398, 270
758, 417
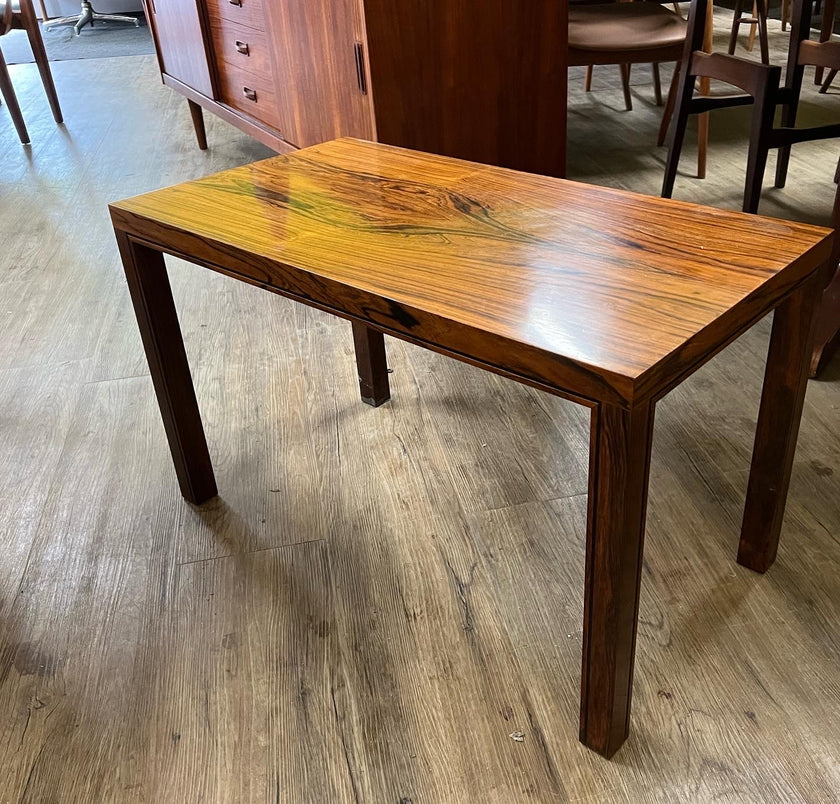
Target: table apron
524, 379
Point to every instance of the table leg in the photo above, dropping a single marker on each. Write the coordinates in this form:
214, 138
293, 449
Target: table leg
619, 466
157, 319
782, 397
371, 364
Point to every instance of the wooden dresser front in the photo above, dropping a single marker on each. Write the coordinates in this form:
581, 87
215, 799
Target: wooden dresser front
477, 79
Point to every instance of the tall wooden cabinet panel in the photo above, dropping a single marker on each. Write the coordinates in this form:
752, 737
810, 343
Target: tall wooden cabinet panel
180, 36
477, 79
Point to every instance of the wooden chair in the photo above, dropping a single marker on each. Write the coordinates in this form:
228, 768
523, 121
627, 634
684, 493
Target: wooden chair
757, 20
760, 84
624, 34
21, 14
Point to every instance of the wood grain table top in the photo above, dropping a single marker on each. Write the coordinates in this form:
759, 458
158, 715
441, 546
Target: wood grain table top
601, 292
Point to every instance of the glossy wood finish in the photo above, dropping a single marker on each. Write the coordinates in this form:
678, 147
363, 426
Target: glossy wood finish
480, 228
515, 274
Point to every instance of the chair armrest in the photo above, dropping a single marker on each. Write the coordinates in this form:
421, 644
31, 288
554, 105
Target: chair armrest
749, 76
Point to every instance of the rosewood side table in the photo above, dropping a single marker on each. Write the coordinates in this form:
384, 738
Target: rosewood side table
603, 297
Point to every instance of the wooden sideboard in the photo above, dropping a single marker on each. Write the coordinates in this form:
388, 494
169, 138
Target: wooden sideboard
478, 79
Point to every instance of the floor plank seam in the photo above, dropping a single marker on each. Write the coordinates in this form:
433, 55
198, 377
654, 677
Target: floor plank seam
251, 552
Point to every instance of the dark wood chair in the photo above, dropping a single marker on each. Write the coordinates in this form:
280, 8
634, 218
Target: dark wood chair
625, 33
758, 20
21, 14
760, 85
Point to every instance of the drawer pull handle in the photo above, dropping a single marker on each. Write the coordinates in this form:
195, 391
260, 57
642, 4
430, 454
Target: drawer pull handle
235, 3
249, 93
242, 47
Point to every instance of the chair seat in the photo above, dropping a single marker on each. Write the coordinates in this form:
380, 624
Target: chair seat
624, 26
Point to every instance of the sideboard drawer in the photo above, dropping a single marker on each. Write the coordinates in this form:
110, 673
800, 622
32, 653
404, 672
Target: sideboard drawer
249, 93
243, 12
242, 47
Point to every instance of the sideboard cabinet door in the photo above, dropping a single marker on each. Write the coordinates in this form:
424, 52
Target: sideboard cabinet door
181, 42
320, 68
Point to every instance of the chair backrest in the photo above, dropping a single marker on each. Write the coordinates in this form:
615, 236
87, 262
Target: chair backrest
803, 51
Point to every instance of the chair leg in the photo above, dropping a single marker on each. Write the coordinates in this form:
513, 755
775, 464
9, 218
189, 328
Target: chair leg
33, 31
827, 327
826, 28
682, 102
587, 84
625, 85
657, 84
751, 37
668, 113
785, 14
8, 92
788, 121
736, 20
832, 74
764, 110
704, 122
763, 40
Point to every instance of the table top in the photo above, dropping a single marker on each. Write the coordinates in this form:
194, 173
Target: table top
601, 292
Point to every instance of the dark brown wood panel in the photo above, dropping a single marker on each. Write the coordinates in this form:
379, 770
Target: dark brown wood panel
477, 79
316, 46
181, 42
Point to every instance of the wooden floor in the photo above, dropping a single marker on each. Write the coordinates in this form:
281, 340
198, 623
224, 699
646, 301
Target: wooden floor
379, 598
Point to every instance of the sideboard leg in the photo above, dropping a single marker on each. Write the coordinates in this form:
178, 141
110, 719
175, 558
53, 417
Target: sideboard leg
371, 364
619, 466
782, 398
157, 319
197, 114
